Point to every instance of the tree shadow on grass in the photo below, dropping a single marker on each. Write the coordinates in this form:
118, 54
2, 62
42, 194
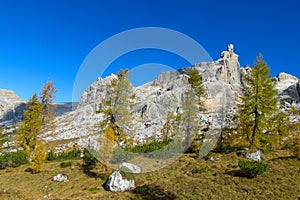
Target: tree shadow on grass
239, 173
87, 170
150, 192
284, 158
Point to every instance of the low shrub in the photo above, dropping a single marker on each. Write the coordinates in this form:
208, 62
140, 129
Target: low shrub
73, 154
89, 159
66, 164
13, 159
173, 148
252, 169
143, 189
199, 169
121, 155
154, 149
148, 147
51, 156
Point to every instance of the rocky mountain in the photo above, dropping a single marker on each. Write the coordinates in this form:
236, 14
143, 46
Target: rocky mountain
11, 107
222, 79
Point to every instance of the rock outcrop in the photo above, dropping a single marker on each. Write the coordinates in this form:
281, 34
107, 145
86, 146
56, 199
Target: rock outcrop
222, 79
288, 87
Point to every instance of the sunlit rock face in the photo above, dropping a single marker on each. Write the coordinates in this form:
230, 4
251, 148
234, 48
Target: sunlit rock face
288, 88
11, 106
223, 80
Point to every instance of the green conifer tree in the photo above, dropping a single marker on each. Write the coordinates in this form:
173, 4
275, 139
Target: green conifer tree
195, 80
259, 105
117, 106
189, 120
1, 137
192, 105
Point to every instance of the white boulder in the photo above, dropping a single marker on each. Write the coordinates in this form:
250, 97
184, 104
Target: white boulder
116, 183
255, 156
60, 178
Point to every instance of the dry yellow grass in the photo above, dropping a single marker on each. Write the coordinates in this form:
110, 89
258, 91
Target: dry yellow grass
281, 181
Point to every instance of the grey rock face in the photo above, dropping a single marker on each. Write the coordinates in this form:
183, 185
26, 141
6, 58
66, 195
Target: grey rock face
222, 79
11, 106
98, 89
154, 100
116, 183
64, 108
288, 88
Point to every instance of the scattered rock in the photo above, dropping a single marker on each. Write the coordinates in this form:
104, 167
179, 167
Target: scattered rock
47, 196
255, 156
116, 183
60, 178
212, 159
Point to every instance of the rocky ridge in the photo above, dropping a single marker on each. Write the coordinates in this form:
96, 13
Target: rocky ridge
222, 79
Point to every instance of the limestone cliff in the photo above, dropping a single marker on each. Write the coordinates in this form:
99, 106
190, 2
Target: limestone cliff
222, 79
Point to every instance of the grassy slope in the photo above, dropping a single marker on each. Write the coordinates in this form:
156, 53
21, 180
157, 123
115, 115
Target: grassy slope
281, 181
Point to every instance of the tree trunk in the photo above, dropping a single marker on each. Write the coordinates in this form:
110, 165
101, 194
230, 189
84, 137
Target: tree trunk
254, 128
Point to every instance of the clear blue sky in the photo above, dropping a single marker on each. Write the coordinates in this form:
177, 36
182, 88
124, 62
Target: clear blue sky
49, 39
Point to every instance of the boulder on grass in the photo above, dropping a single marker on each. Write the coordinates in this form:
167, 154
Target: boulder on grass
255, 156
116, 183
60, 178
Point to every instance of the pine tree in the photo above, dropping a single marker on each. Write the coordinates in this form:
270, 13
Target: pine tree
117, 106
192, 105
30, 127
187, 123
38, 157
189, 120
47, 99
195, 80
168, 129
1, 137
259, 105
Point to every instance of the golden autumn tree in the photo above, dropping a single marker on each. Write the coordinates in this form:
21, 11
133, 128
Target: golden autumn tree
38, 157
116, 107
31, 125
107, 144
